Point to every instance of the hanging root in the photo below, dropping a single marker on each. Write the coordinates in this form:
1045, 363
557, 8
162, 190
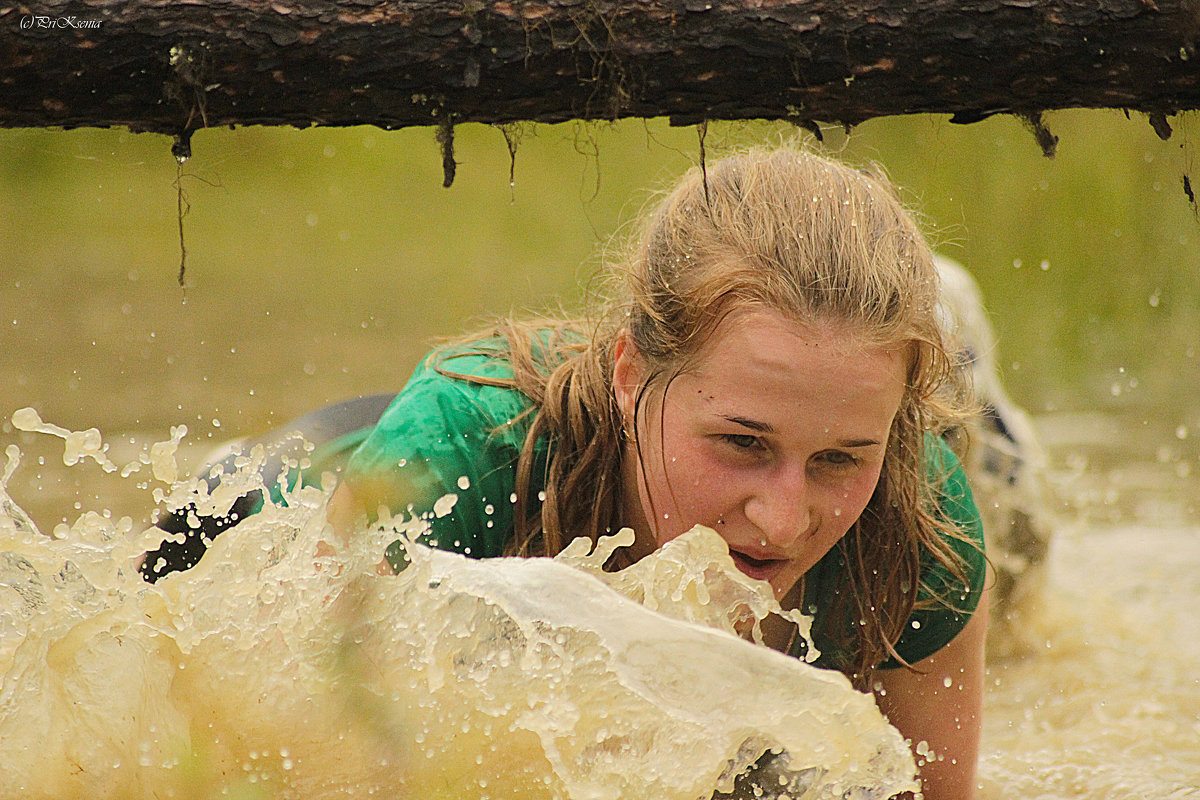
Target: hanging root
512, 139
1158, 121
1045, 139
812, 128
182, 207
181, 148
1187, 165
445, 138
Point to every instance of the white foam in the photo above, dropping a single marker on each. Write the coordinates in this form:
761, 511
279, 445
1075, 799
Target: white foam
285, 662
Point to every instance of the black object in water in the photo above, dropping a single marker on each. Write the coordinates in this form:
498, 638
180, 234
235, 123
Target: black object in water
192, 533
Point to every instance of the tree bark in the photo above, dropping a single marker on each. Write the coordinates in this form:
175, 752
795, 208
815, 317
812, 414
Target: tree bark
173, 66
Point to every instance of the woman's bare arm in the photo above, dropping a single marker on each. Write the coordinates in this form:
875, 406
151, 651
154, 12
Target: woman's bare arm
941, 704
343, 511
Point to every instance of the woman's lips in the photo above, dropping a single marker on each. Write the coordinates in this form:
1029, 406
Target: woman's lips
762, 569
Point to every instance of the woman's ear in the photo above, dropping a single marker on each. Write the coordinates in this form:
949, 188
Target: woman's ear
628, 373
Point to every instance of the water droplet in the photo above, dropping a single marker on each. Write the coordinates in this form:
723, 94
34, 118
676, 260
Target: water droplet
444, 505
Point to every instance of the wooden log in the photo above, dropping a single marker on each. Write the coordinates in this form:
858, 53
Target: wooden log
173, 66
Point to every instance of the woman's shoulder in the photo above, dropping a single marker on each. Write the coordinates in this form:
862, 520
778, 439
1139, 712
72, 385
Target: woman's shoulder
956, 505
491, 356
466, 391
945, 473
948, 594
455, 388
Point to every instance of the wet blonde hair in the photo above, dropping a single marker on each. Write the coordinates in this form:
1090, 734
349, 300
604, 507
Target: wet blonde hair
783, 229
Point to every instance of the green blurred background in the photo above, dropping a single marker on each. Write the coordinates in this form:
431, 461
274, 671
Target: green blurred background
320, 263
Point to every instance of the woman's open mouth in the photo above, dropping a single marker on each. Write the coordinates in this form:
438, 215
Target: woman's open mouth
762, 569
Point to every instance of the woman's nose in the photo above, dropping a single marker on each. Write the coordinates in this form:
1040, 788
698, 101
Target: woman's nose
780, 509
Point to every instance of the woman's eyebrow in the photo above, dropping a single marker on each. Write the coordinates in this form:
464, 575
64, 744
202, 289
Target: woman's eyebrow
765, 427
752, 424
859, 442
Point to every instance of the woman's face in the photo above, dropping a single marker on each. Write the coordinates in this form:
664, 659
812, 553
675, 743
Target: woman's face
774, 438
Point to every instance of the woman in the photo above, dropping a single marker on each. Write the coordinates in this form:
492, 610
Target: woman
769, 365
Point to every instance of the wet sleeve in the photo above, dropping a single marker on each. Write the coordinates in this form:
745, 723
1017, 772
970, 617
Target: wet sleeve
444, 451
946, 602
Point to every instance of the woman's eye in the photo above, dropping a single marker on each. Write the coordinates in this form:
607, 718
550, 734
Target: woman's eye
742, 441
838, 458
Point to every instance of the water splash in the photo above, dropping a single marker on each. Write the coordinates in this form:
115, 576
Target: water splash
79, 444
285, 664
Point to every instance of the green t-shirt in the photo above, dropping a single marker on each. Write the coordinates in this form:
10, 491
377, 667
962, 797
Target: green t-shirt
444, 435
